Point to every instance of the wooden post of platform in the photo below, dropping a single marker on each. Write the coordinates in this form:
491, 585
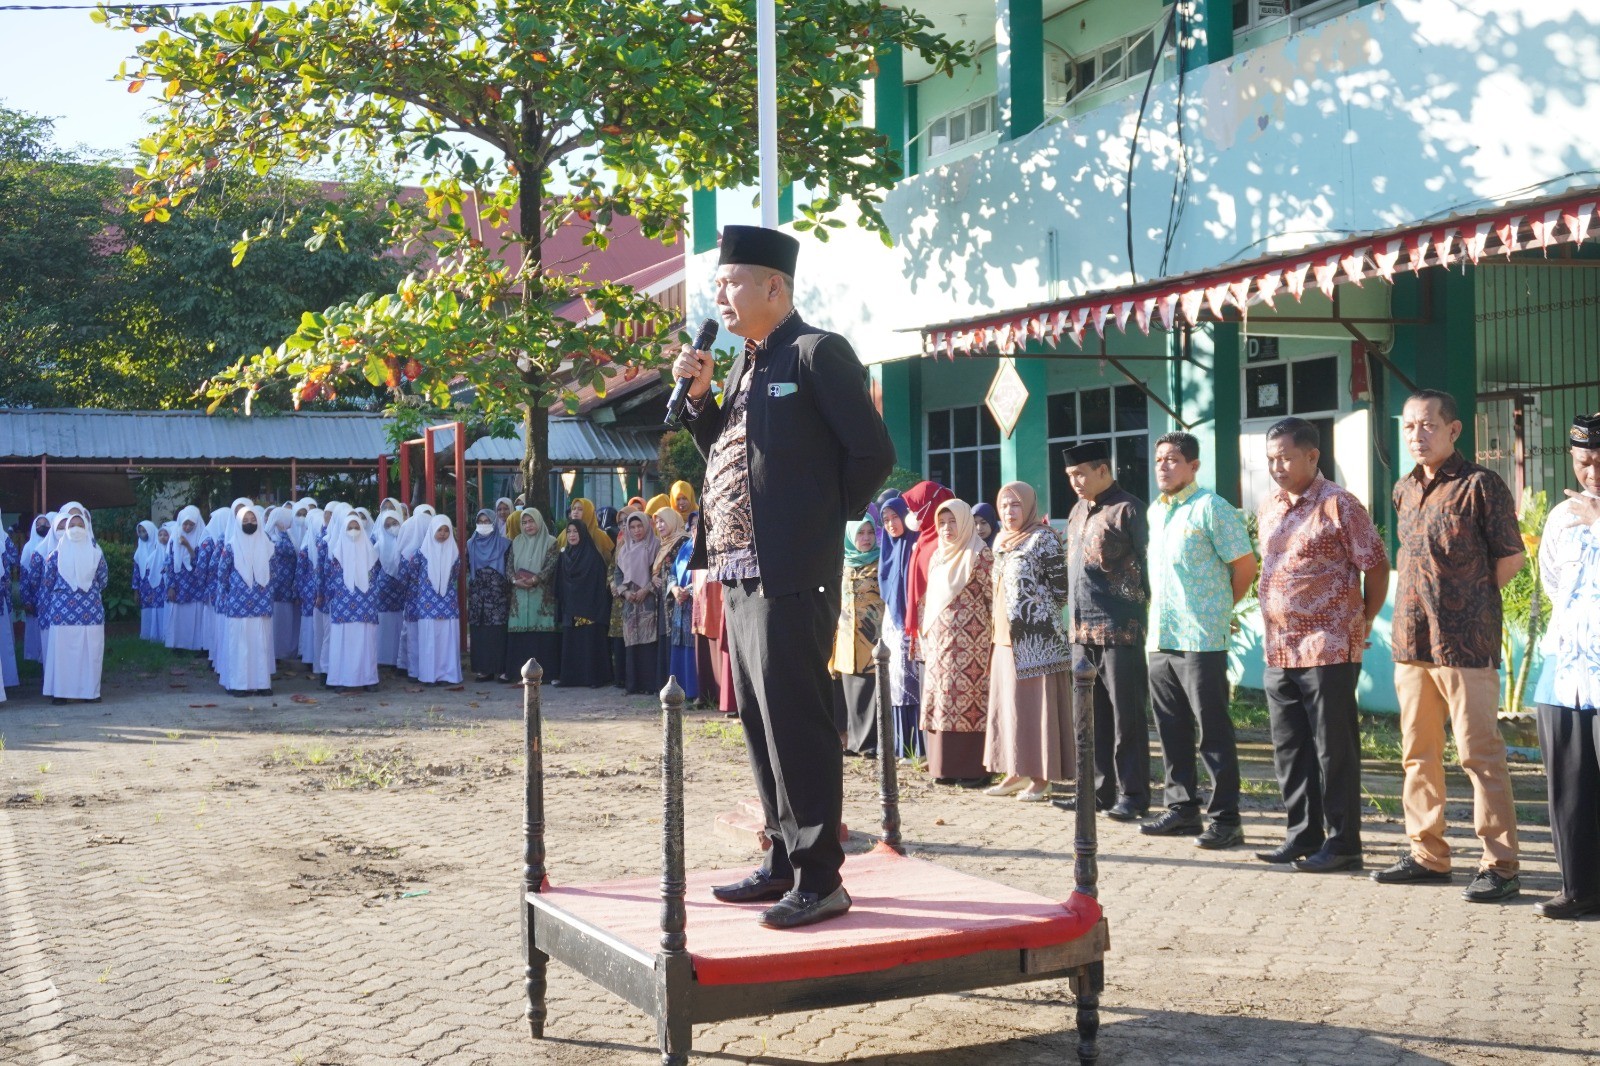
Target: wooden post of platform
674, 971
533, 871
888, 754
1089, 980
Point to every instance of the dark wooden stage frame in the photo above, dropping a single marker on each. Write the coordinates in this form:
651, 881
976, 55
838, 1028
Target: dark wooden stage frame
663, 984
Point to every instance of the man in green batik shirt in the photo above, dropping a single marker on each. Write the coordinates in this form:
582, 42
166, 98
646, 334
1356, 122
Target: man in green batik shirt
1201, 564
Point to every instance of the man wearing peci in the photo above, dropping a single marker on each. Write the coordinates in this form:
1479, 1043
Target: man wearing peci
794, 450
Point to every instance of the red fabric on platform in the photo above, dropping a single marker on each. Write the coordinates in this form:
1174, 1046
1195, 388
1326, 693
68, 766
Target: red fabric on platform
905, 910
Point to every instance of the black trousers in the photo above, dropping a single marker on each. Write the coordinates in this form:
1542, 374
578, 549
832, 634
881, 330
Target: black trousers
779, 647
1316, 750
1571, 742
1121, 723
1189, 688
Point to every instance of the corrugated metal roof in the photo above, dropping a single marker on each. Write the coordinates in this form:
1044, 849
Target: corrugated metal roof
573, 442
88, 435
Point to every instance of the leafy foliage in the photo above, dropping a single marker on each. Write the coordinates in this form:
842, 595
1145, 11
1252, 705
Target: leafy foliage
1523, 603
520, 116
680, 460
119, 599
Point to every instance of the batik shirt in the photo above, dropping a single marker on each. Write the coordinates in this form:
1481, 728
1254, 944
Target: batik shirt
391, 590
1194, 536
322, 571
238, 598
62, 605
29, 580
305, 582
1569, 569
8, 566
151, 594
1110, 593
188, 586
431, 604
347, 605
204, 567
285, 567
410, 576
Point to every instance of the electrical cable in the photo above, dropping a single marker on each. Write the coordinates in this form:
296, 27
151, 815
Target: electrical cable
1133, 145
1180, 185
122, 7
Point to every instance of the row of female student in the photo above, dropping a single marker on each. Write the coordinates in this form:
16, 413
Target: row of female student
969, 601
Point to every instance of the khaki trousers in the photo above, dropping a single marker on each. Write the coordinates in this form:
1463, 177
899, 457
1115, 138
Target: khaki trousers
1469, 699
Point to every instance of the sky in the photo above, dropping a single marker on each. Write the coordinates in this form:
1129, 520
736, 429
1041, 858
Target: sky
59, 64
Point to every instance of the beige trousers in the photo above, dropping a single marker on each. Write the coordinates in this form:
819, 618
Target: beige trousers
1468, 698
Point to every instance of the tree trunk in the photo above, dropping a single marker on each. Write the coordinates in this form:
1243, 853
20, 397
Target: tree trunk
535, 414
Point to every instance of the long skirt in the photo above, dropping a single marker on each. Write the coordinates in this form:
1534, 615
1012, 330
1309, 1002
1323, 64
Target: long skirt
705, 668
619, 661
954, 755
187, 632
542, 646
73, 658
389, 623
320, 623
285, 629
352, 654
855, 712
168, 609
307, 640
682, 666
150, 624
1030, 722
408, 638
214, 636
244, 659
8, 651
639, 668
32, 646
585, 656
436, 655
487, 644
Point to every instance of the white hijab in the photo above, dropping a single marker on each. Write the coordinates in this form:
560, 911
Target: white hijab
388, 543
220, 529
173, 532
148, 555
185, 560
36, 540
312, 530
77, 561
57, 535
440, 557
252, 552
412, 530
952, 564
354, 555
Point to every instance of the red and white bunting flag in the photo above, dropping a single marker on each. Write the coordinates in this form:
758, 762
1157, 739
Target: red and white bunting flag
938, 341
1444, 246
1479, 240
1386, 260
1101, 313
1142, 311
1581, 232
1355, 266
1508, 230
1167, 308
1124, 309
1036, 326
1421, 245
1295, 279
1191, 301
1239, 294
1544, 230
1075, 330
1325, 272
1267, 286
1217, 298
1080, 322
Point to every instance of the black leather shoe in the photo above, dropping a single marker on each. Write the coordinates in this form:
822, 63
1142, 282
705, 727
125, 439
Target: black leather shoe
1218, 836
1070, 803
1126, 811
975, 782
798, 908
1284, 854
756, 888
1564, 908
1177, 822
1491, 887
1408, 871
1326, 862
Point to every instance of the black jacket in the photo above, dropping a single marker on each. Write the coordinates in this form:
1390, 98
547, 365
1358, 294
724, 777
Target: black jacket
818, 453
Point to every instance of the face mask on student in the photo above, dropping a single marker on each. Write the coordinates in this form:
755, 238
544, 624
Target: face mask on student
485, 528
353, 534
247, 528
77, 534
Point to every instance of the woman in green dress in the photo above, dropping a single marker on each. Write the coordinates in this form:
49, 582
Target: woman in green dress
533, 631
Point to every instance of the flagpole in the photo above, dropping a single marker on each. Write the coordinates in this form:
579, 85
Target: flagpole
767, 108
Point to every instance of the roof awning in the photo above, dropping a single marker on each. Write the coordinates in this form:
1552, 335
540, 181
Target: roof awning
574, 442
1228, 293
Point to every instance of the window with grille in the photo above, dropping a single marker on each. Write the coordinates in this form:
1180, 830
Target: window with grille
1120, 415
964, 452
965, 124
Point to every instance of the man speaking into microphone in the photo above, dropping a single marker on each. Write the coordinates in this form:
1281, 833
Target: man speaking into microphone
794, 450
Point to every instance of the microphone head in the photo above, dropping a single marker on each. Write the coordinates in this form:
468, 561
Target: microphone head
707, 335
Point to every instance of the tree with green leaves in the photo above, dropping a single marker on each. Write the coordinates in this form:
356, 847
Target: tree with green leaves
542, 113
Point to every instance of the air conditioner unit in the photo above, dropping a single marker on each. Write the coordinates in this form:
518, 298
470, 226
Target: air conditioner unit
1059, 81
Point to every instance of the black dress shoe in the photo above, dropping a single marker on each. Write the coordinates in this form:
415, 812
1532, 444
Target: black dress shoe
1176, 822
1491, 886
1408, 871
1126, 810
799, 908
1070, 803
975, 782
1564, 908
1327, 862
1285, 853
1219, 835
757, 887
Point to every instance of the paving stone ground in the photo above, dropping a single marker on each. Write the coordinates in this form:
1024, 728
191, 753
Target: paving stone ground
191, 879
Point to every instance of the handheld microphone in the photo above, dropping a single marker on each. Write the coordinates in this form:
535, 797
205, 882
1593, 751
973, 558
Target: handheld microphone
680, 391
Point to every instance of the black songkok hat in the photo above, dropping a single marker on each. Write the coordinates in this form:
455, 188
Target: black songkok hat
1090, 451
1585, 432
760, 247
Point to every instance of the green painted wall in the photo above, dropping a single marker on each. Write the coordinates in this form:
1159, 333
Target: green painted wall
900, 384
703, 219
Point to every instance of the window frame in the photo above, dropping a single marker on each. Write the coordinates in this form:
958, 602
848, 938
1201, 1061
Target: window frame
1116, 435
977, 450
936, 133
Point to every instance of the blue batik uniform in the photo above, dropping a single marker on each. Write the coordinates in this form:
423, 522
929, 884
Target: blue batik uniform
412, 573
64, 605
284, 567
349, 605
151, 594
244, 653
429, 602
391, 590
189, 586
10, 555
73, 624
236, 597
305, 582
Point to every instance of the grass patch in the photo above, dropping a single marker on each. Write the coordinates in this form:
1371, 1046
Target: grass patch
725, 731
